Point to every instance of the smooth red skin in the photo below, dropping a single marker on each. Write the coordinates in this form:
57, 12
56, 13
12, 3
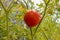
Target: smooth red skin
32, 18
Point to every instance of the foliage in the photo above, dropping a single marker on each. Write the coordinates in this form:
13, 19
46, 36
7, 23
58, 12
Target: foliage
12, 26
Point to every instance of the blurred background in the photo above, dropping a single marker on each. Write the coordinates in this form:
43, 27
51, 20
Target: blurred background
12, 23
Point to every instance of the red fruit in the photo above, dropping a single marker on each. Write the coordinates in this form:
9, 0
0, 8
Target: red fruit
32, 18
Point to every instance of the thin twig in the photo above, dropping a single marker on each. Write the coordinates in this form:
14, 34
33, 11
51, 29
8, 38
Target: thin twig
2, 5
44, 34
6, 20
7, 26
10, 5
31, 33
26, 4
6, 11
42, 17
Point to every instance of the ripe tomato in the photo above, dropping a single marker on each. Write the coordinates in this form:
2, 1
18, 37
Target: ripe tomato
32, 18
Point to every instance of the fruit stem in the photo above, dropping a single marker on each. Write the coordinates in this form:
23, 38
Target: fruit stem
42, 17
31, 34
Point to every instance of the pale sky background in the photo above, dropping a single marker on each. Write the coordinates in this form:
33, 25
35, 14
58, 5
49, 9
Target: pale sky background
37, 1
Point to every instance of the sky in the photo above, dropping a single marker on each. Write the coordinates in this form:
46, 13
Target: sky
37, 1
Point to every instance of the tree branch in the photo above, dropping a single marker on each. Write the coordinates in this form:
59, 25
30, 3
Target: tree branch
42, 17
6, 11
2, 5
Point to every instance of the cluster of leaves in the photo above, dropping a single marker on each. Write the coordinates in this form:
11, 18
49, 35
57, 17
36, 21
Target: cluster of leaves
48, 30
